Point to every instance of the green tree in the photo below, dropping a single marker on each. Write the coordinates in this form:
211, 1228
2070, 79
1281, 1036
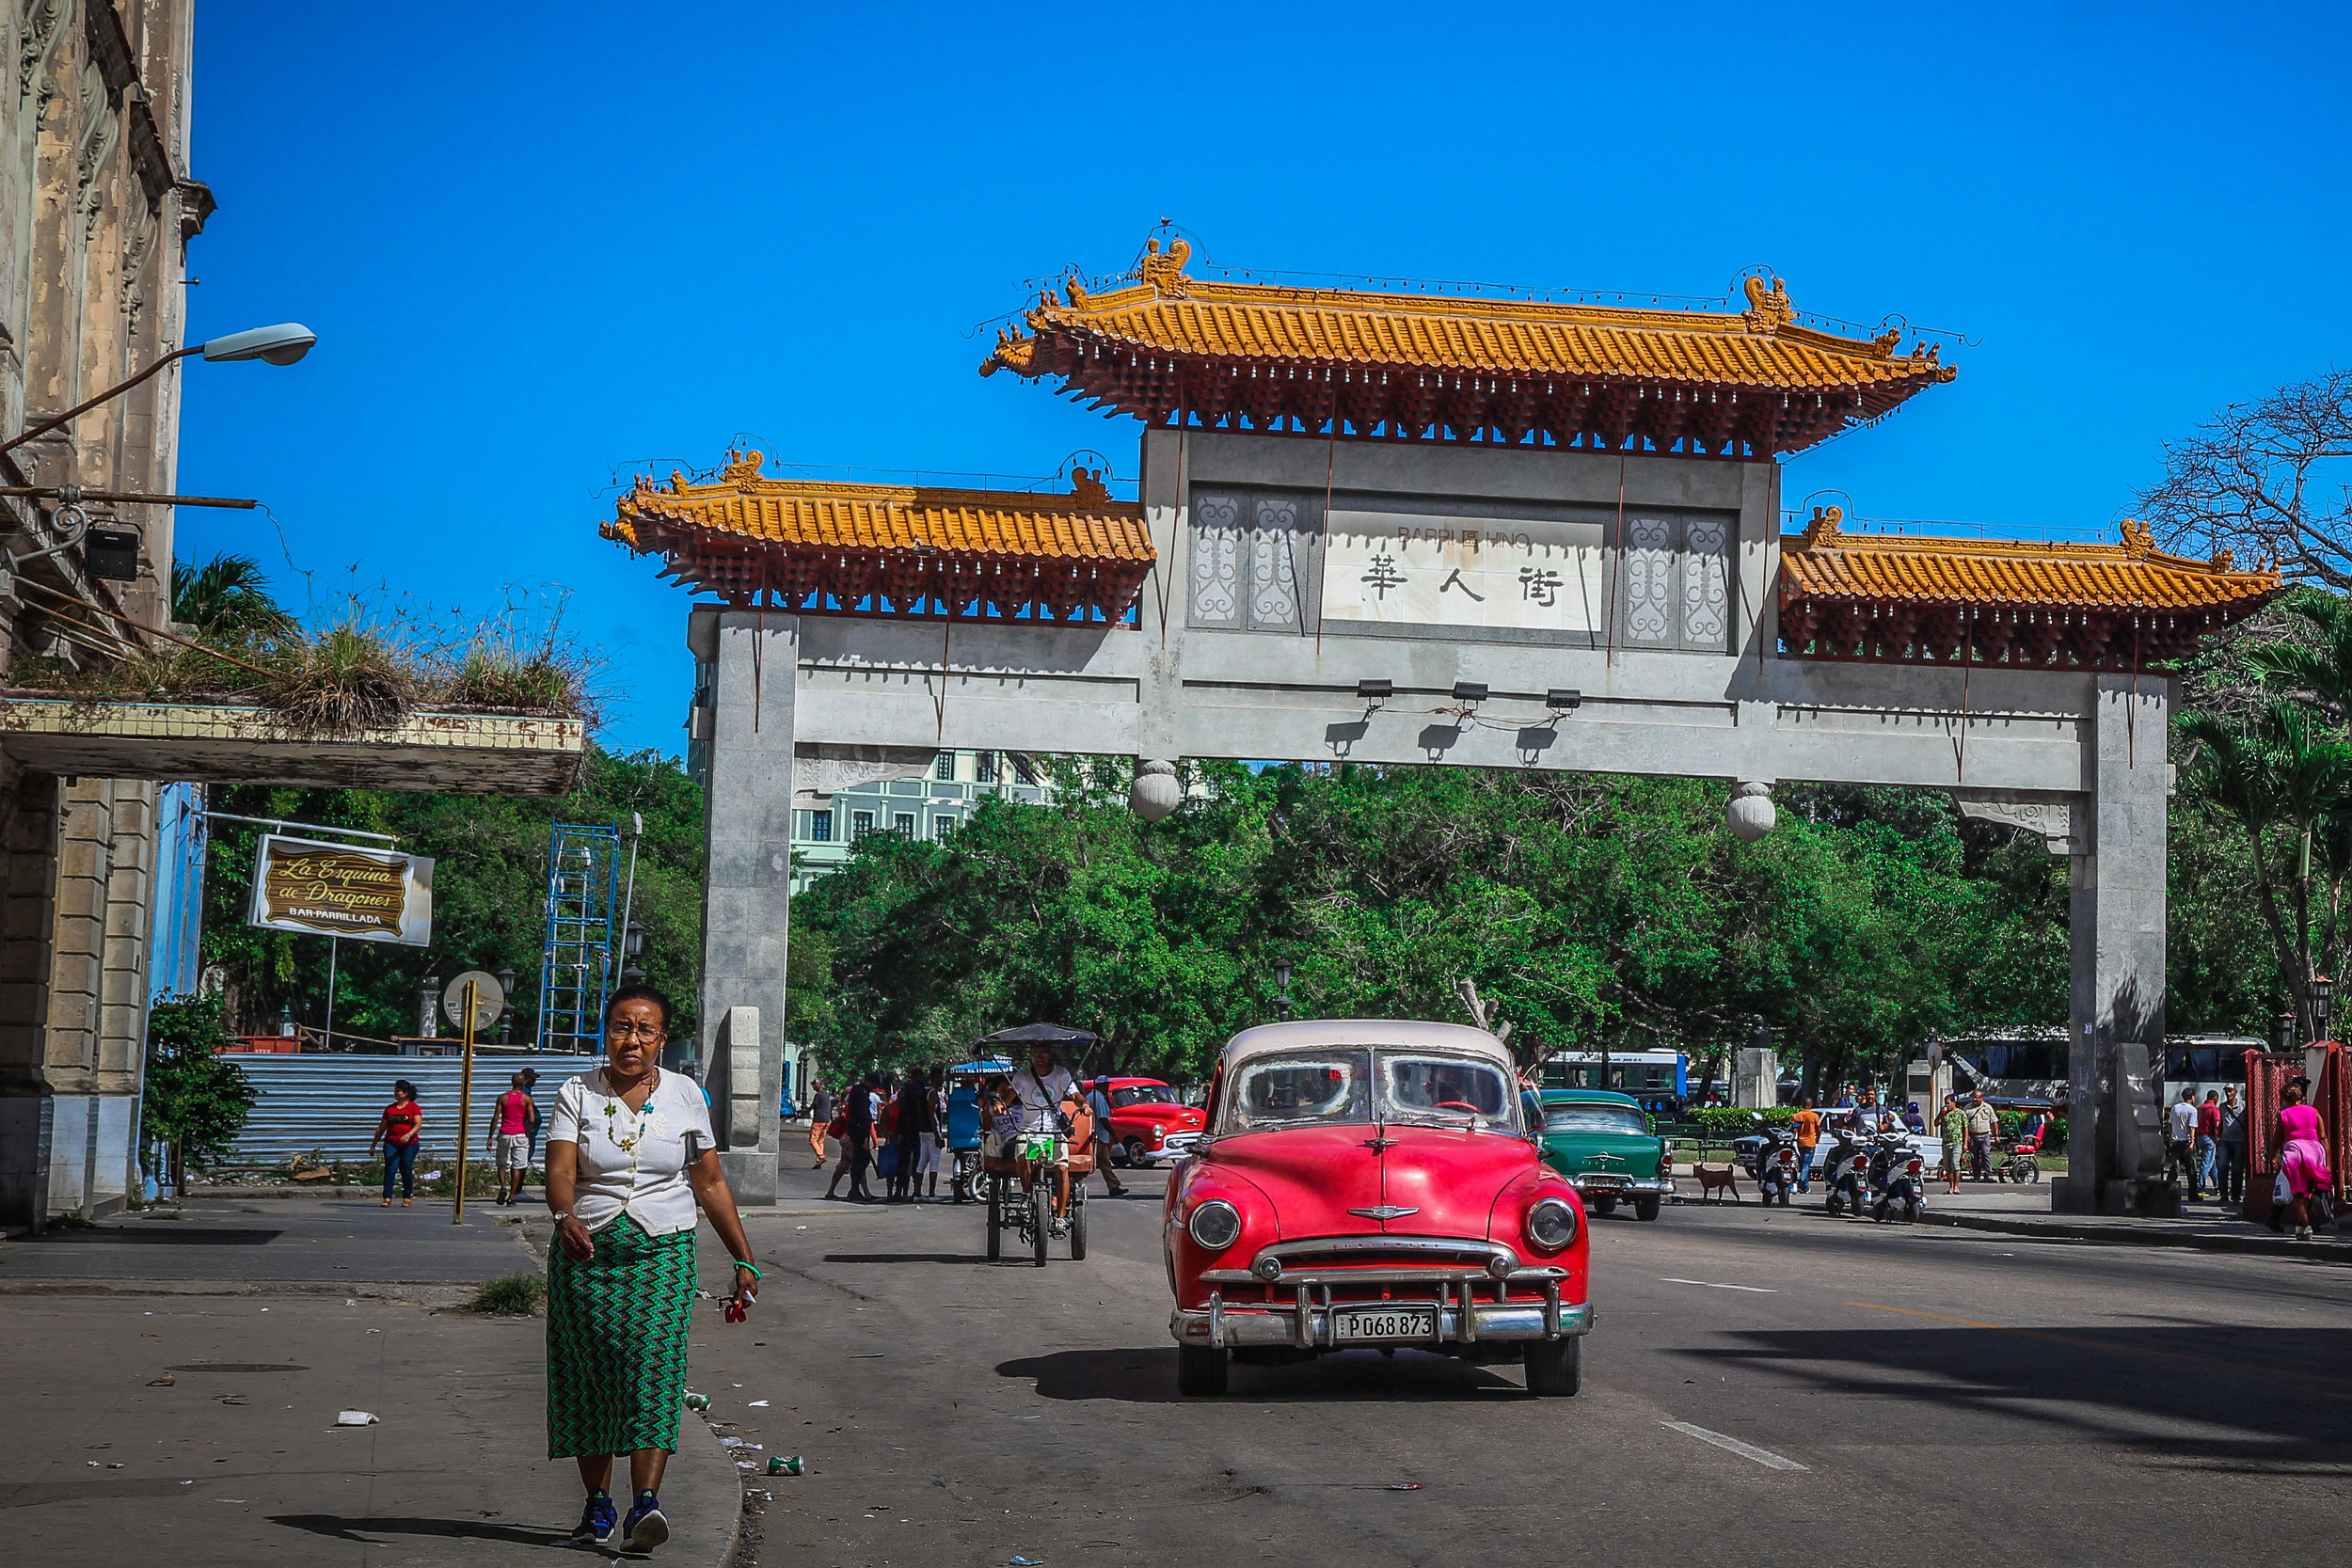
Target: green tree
195, 1101
228, 598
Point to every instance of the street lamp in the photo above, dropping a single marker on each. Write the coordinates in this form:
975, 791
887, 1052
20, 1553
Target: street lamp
506, 1014
632, 948
1283, 988
2323, 1005
282, 345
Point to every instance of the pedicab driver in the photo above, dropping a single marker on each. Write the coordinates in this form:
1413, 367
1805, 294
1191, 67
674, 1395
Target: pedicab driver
1038, 1090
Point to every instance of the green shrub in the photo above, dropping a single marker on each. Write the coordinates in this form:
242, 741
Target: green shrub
1718, 1123
514, 1295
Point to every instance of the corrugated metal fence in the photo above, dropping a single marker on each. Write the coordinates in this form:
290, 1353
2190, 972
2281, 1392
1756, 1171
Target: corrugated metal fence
332, 1103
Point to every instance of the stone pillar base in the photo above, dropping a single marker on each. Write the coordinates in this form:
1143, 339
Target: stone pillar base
750, 1175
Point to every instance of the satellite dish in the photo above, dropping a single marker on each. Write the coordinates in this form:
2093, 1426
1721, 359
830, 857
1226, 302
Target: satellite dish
489, 1000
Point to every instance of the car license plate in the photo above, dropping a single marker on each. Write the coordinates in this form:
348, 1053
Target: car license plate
1386, 1323
1603, 1180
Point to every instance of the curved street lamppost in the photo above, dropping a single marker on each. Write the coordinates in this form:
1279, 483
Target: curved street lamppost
282, 345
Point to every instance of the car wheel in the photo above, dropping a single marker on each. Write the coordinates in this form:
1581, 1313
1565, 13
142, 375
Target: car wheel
993, 1196
1077, 1230
1042, 1217
1555, 1368
1201, 1370
1137, 1153
1604, 1206
1647, 1208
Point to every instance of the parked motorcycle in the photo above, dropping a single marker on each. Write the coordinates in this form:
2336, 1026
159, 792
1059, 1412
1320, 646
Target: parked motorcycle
1846, 1174
1772, 1161
1898, 1177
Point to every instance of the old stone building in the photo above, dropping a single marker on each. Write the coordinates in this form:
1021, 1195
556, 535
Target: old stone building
96, 211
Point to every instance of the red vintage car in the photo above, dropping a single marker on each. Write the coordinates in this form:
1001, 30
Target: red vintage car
1373, 1184
1145, 1113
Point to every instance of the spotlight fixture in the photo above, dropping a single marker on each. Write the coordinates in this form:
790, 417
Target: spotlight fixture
1470, 691
1375, 691
1566, 698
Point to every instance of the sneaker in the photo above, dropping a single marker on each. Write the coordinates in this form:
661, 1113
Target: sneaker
598, 1520
646, 1528
2303, 1233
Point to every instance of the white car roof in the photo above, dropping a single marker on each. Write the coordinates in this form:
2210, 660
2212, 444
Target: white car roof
1325, 1033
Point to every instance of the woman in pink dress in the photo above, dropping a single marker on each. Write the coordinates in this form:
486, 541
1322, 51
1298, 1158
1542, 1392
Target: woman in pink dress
2302, 1158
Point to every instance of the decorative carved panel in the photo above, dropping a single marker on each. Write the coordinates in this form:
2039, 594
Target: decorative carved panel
1705, 591
1649, 590
1273, 564
1216, 542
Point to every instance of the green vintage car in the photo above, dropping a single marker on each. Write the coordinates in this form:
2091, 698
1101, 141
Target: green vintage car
1601, 1141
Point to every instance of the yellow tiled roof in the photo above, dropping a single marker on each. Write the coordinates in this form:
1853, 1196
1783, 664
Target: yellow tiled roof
1253, 322
1087, 525
1829, 563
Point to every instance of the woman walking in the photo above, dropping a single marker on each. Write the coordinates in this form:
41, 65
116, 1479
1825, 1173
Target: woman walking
397, 1130
2303, 1159
631, 1156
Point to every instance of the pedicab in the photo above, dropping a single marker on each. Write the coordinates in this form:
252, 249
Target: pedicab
965, 1125
1038, 1144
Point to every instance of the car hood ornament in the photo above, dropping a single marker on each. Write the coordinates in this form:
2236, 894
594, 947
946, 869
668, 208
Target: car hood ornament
1385, 1212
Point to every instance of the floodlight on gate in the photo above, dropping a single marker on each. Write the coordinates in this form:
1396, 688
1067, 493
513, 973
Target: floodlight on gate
1470, 691
1375, 691
1563, 698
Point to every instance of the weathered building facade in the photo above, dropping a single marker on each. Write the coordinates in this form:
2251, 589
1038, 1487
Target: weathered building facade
96, 210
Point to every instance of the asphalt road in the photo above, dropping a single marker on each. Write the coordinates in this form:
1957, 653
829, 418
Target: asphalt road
1950, 1396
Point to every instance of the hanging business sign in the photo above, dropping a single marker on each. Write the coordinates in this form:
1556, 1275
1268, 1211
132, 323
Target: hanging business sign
342, 890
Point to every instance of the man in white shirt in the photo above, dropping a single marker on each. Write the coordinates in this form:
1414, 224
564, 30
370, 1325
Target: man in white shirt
1038, 1090
2181, 1140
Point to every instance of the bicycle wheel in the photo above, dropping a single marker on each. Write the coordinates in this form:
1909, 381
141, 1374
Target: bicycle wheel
1042, 1216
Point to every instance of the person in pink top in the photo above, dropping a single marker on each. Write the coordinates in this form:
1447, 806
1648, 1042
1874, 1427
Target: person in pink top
2302, 1158
510, 1140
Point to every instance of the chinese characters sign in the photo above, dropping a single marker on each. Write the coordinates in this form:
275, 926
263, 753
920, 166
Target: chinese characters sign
340, 889
1407, 569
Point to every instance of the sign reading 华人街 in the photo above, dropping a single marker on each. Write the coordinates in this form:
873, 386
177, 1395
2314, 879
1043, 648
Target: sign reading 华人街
1383, 566
340, 889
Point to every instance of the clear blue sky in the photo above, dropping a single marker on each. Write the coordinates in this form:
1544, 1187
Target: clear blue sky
548, 244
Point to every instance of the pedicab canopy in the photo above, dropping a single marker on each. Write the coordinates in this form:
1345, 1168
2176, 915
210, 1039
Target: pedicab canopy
991, 1067
1025, 1035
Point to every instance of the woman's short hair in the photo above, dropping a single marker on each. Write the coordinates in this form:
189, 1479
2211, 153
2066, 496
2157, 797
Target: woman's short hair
641, 993
2291, 1095
401, 1086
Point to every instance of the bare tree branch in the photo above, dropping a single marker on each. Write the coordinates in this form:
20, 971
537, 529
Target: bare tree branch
2266, 481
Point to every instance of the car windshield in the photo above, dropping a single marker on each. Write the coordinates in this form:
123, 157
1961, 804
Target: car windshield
1142, 1094
1595, 1118
1304, 1087
1292, 1090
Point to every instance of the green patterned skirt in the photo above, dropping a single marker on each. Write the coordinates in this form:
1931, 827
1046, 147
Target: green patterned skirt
616, 1341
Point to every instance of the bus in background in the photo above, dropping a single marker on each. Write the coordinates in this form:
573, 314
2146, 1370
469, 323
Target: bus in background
1659, 1079
2029, 1068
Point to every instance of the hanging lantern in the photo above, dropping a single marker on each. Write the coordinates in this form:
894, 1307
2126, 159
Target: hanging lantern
1751, 815
1155, 793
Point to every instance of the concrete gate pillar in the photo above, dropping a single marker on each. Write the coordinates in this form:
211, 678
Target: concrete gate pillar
753, 662
2117, 913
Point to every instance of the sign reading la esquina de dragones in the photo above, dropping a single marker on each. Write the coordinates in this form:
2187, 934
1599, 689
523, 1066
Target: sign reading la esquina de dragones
342, 890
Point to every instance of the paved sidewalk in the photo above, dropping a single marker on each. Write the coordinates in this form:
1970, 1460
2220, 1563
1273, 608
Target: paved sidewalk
237, 1460
2024, 1210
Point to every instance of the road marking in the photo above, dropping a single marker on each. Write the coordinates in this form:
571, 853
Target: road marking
1765, 1457
1664, 1280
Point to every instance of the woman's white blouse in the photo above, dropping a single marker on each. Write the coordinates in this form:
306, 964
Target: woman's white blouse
633, 1161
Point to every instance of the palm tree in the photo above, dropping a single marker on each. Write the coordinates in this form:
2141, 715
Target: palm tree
228, 596
2319, 671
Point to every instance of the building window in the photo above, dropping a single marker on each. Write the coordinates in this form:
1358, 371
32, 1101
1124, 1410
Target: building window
944, 768
984, 768
861, 823
1022, 770
944, 826
821, 826
904, 822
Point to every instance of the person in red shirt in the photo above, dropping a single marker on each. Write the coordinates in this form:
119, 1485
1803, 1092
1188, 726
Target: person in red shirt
2208, 1152
510, 1140
1807, 1122
398, 1130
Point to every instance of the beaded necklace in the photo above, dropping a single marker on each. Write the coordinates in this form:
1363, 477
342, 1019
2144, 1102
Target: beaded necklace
641, 1121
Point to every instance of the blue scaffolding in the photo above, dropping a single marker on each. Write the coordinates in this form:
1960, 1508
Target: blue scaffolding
576, 970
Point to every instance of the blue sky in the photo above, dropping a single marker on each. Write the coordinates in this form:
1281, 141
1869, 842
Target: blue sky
558, 244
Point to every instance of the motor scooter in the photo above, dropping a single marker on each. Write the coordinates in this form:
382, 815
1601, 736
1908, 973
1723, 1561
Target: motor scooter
1898, 1177
1846, 1174
1773, 1164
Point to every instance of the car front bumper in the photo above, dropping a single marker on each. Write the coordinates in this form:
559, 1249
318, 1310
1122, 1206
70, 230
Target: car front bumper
1601, 1184
1306, 1325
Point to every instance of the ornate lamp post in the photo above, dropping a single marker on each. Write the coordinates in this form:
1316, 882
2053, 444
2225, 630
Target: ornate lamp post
1282, 988
2323, 1005
632, 948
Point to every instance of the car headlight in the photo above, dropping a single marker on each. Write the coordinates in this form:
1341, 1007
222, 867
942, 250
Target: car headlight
1551, 1223
1215, 1225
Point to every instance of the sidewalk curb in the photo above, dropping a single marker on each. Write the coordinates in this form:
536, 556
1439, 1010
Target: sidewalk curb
438, 1295
2063, 1230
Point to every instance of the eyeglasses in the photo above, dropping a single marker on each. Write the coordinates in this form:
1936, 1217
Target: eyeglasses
636, 1030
